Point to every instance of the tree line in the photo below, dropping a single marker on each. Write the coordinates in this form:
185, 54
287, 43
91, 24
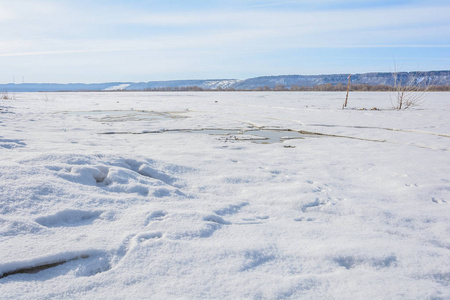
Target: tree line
328, 87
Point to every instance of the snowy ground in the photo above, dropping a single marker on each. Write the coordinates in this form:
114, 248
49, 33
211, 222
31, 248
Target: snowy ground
112, 196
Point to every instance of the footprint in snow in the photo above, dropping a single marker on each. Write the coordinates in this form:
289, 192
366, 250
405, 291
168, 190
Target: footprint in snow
216, 219
438, 201
69, 218
230, 209
157, 215
145, 170
304, 219
11, 143
313, 204
253, 220
256, 258
129, 243
352, 261
148, 236
318, 204
203, 227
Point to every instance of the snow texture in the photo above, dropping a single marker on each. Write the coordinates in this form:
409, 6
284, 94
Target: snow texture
144, 195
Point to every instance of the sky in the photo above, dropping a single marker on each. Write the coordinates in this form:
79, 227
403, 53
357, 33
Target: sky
51, 41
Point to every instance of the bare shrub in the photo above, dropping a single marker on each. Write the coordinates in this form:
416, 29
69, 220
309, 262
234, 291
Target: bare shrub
409, 91
4, 96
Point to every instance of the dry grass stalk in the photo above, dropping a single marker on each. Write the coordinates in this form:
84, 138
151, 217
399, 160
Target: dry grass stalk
348, 88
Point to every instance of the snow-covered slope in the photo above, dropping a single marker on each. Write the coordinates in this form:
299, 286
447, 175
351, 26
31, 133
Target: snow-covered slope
128, 196
220, 84
204, 84
121, 86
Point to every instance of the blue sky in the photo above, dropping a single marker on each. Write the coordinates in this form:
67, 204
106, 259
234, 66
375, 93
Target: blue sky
134, 40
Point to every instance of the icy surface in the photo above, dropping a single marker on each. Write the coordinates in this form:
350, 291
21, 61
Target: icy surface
128, 195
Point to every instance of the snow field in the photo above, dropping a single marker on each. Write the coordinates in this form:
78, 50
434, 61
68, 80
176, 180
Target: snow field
358, 212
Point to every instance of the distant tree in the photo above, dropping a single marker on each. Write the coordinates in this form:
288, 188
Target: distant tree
279, 87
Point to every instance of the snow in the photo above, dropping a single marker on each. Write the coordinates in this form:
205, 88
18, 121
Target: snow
137, 195
121, 86
215, 84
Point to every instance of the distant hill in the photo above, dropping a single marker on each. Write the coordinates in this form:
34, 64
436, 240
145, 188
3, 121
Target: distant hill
116, 86
435, 77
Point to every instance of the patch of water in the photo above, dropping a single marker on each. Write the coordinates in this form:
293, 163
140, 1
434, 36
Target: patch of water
259, 136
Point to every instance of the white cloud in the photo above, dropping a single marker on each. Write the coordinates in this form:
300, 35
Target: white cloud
44, 20
62, 34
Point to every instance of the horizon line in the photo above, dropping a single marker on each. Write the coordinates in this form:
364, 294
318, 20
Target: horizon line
279, 75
